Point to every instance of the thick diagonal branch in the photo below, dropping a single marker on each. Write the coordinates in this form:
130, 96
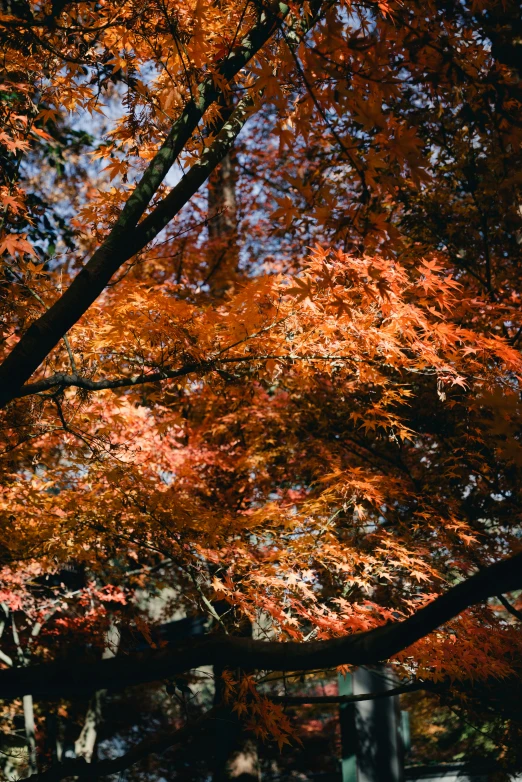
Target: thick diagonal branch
44, 333
127, 236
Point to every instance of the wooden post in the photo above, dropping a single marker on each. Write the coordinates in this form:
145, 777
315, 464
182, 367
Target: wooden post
379, 752
348, 730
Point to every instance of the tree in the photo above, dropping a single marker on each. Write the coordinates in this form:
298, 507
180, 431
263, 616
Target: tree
294, 404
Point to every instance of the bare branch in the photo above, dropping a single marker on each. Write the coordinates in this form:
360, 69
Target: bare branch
511, 609
61, 380
304, 700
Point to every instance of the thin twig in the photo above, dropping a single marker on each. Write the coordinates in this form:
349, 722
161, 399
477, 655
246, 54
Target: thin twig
511, 609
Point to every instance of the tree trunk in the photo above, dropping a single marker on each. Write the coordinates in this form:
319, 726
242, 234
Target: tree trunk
85, 744
223, 250
30, 733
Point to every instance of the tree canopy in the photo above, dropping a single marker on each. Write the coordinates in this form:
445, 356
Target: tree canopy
260, 358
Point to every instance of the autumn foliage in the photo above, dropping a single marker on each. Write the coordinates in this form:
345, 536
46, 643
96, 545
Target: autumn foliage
260, 294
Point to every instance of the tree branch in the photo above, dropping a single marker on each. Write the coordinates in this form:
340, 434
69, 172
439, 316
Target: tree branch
96, 274
304, 700
169, 206
127, 237
61, 380
365, 648
509, 608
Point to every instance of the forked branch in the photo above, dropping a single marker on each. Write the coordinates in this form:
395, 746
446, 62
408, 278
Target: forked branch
128, 235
